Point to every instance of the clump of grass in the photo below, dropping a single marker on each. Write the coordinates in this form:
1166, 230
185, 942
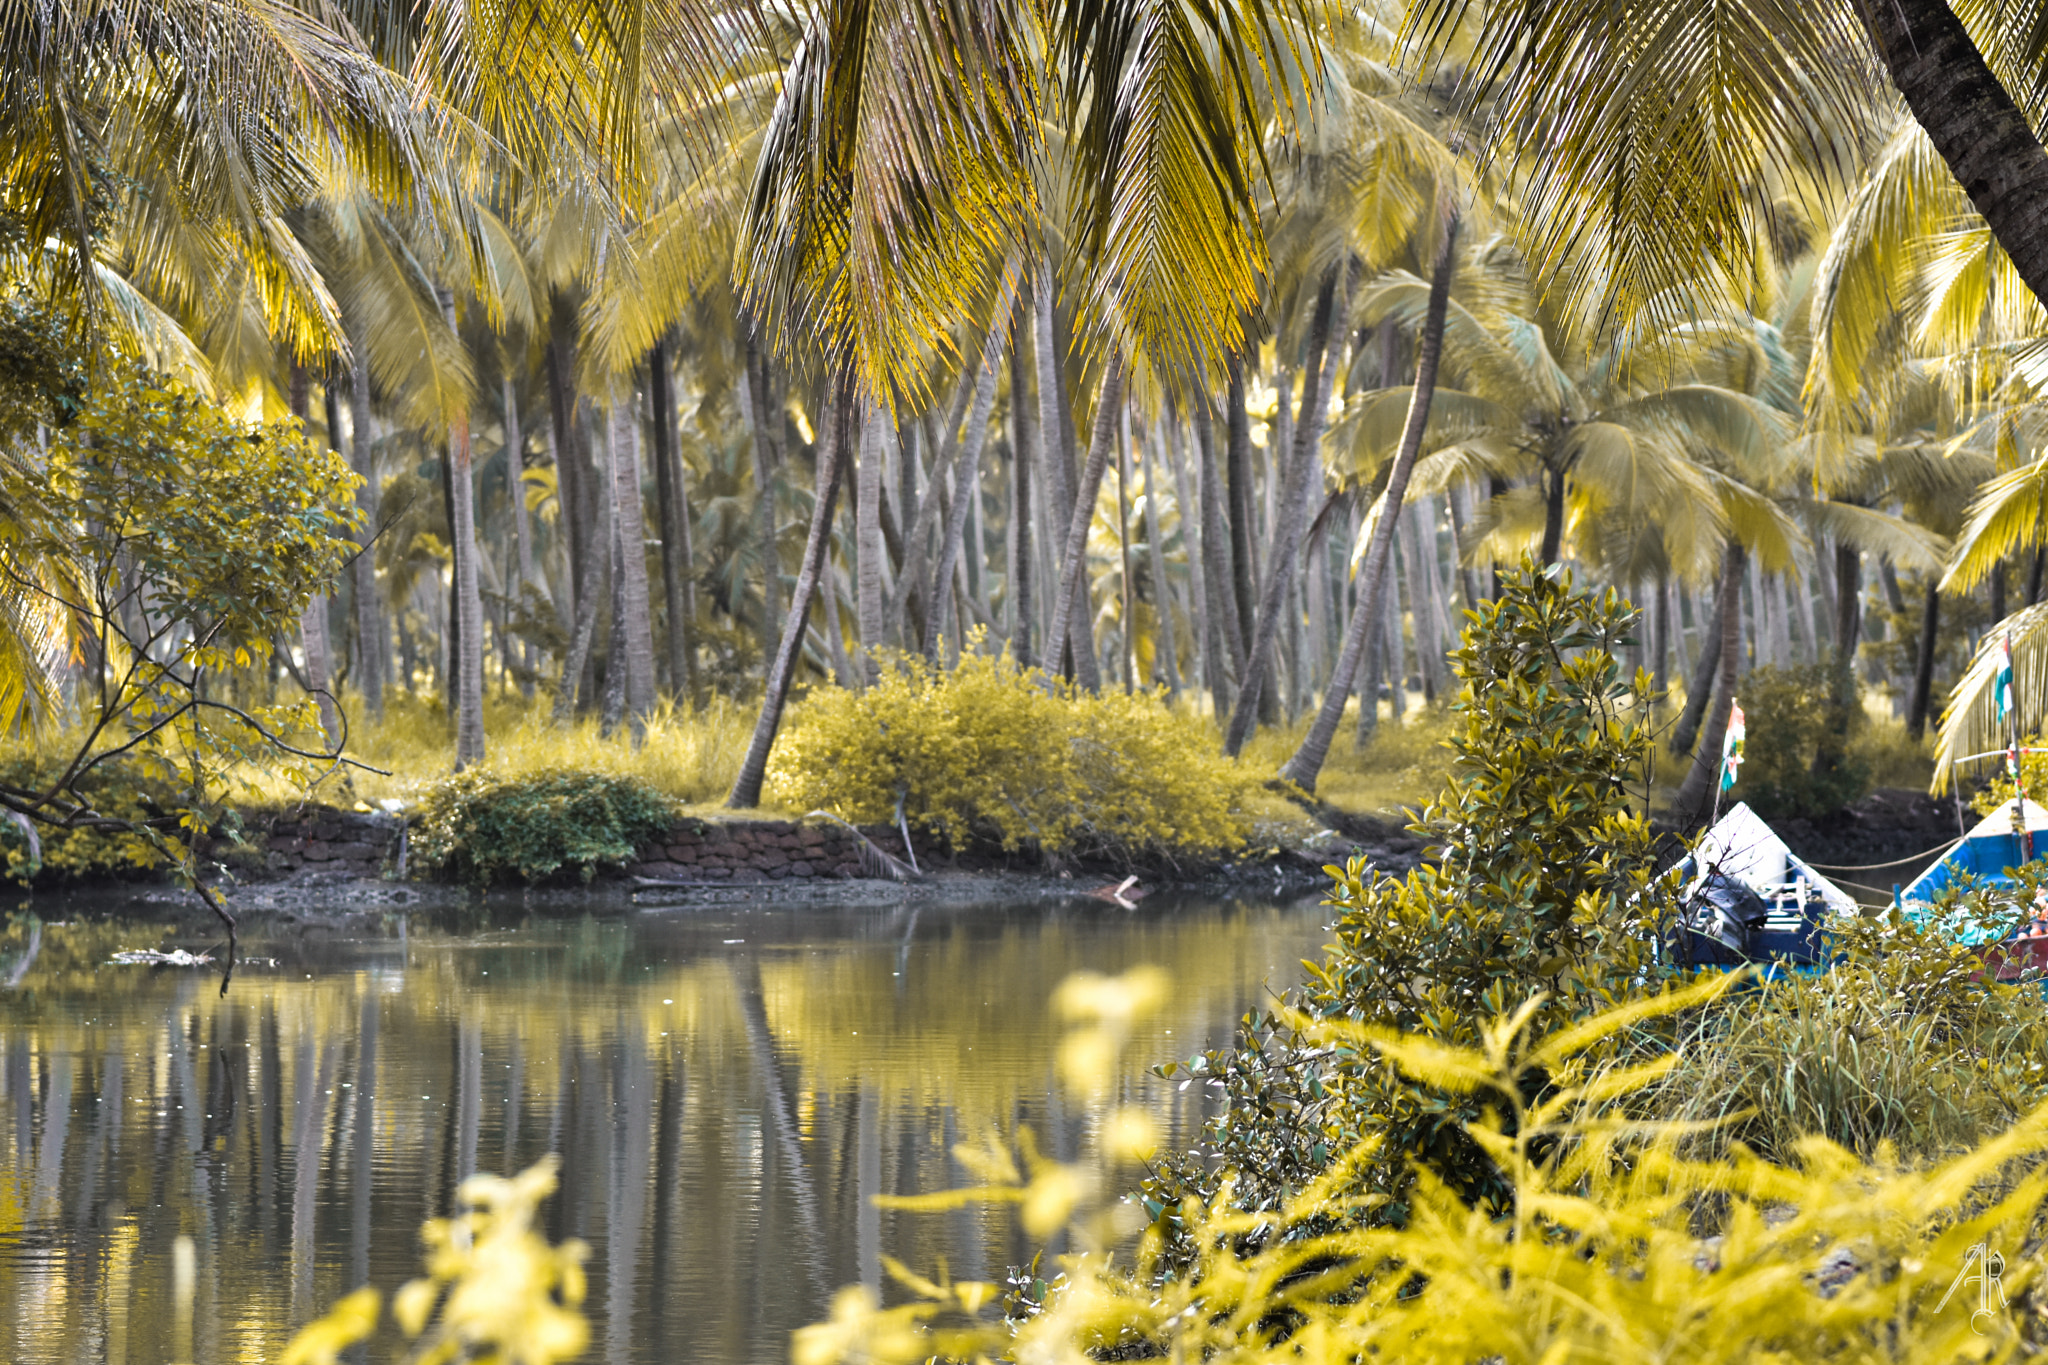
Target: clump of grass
690, 757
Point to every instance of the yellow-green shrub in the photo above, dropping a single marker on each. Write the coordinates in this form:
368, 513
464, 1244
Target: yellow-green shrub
990, 754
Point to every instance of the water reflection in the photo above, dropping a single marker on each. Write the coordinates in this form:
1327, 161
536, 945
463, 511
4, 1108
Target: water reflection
727, 1089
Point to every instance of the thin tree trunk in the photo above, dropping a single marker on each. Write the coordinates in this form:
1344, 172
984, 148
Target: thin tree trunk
373, 666
1696, 793
1238, 476
1461, 524
1307, 762
571, 487
1226, 642
590, 572
313, 622
1024, 453
1923, 666
1128, 608
1166, 647
673, 517
966, 468
759, 420
1972, 122
835, 633
468, 632
834, 438
1699, 687
522, 541
868, 533
914, 583
1303, 460
1071, 597
1194, 539
1660, 639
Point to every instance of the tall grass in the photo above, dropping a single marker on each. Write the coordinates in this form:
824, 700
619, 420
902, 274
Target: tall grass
690, 756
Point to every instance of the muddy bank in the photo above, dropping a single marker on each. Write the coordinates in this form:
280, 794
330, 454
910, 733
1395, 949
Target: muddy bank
320, 861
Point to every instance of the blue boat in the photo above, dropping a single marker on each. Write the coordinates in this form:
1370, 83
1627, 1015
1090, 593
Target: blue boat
2014, 935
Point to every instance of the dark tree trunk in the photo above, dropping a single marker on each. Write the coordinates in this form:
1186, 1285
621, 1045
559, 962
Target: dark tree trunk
1972, 122
570, 485
1226, 639
674, 520
1553, 513
1998, 591
373, 668
760, 419
833, 442
1699, 688
1923, 666
1367, 613
1696, 793
2034, 575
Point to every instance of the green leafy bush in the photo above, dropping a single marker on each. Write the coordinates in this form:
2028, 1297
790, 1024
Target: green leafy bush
119, 790
484, 827
1544, 889
1795, 762
993, 755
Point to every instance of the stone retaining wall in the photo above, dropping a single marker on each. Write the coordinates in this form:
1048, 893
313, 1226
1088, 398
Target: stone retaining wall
755, 851
322, 841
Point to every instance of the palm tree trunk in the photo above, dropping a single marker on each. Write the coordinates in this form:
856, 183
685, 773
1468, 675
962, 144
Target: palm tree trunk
629, 515
833, 440
372, 653
1696, 793
759, 419
1461, 533
1194, 538
1303, 460
522, 539
1024, 452
1307, 762
1923, 666
1660, 639
1553, 514
868, 534
1070, 598
569, 463
313, 621
467, 627
1166, 649
591, 573
1237, 456
1972, 122
1226, 640
914, 584
1071, 623
673, 518
966, 467
1699, 688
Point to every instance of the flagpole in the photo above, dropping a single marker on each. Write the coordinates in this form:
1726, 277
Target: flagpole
2008, 702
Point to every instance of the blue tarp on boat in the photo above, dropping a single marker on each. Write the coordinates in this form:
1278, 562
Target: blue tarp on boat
1980, 860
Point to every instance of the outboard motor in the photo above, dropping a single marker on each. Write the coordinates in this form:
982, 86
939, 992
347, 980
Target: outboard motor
1719, 924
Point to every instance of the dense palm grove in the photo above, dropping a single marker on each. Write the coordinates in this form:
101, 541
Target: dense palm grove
1228, 349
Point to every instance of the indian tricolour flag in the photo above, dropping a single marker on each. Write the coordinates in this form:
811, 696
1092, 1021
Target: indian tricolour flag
1731, 746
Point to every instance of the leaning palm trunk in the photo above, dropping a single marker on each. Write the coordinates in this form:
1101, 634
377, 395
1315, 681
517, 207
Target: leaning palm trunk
1070, 615
760, 418
636, 626
1070, 621
833, 440
1697, 792
966, 473
1307, 763
1303, 461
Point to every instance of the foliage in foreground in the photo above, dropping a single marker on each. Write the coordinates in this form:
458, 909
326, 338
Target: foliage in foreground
991, 754
484, 826
1609, 1245
1902, 1042
494, 1290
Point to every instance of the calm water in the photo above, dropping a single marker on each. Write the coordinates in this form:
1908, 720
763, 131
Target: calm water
726, 1088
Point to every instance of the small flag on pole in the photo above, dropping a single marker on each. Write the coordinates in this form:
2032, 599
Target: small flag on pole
1731, 746
2003, 688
